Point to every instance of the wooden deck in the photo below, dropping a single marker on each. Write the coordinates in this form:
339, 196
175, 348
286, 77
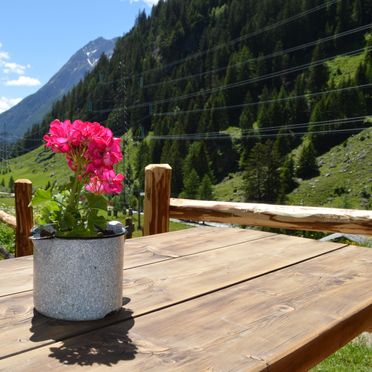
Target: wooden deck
202, 299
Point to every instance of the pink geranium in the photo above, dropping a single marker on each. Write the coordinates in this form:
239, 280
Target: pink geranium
106, 182
91, 151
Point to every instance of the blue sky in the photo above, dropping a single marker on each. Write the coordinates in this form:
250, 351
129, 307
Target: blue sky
37, 37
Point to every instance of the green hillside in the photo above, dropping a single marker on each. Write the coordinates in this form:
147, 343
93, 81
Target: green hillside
42, 166
344, 68
345, 179
39, 166
195, 69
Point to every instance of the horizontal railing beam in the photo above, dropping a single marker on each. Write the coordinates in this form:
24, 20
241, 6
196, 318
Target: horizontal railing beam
8, 219
274, 216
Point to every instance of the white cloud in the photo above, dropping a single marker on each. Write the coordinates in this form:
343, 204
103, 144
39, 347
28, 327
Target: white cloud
7, 103
12, 67
3, 56
148, 2
23, 81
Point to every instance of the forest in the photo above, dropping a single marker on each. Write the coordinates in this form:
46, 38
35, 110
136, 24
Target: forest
214, 87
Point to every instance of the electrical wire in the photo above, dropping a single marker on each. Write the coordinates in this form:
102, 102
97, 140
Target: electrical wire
218, 108
243, 37
250, 81
265, 57
233, 41
268, 129
257, 135
240, 83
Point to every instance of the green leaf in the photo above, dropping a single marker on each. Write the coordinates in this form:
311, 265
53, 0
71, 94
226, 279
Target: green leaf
94, 221
68, 221
77, 232
96, 201
41, 196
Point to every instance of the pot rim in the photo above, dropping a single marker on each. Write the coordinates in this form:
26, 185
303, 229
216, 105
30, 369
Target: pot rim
79, 238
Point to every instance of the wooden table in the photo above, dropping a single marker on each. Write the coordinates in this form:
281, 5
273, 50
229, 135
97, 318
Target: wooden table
201, 299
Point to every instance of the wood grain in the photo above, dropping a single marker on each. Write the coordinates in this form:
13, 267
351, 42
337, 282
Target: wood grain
277, 216
284, 321
8, 219
16, 275
24, 217
156, 202
164, 284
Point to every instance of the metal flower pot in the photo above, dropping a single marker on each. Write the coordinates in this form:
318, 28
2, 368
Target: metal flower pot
78, 279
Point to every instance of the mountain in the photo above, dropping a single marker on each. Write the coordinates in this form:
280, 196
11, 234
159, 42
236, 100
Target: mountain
32, 109
219, 87
345, 179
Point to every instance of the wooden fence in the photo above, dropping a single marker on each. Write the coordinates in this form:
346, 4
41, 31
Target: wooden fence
23, 221
159, 207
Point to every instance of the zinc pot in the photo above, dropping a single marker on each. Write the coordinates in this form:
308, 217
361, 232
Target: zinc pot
78, 279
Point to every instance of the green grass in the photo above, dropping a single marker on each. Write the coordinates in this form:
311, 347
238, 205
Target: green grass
354, 357
343, 68
345, 179
7, 238
230, 189
39, 166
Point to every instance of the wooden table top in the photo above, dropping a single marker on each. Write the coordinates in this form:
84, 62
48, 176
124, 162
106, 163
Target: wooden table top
201, 299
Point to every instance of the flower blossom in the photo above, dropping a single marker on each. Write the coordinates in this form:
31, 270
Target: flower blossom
91, 151
106, 182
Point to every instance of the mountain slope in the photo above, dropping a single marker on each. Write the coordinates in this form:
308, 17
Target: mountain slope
276, 70
345, 179
32, 109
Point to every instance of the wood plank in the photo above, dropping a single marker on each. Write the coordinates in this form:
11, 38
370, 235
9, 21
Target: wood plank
24, 217
283, 321
8, 219
16, 274
164, 284
157, 195
278, 216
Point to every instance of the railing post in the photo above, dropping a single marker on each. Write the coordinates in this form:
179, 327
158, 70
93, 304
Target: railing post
157, 198
24, 217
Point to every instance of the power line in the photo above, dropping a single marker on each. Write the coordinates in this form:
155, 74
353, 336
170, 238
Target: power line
267, 56
174, 113
278, 127
249, 81
238, 83
234, 41
244, 37
257, 135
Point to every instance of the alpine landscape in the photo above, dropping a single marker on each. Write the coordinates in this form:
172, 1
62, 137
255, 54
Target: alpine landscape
248, 101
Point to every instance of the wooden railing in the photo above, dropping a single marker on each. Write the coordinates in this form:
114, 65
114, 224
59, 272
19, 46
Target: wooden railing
23, 221
159, 207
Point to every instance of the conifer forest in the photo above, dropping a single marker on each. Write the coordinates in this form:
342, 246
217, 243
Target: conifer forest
214, 87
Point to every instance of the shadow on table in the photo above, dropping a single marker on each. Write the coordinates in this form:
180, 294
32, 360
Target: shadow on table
78, 345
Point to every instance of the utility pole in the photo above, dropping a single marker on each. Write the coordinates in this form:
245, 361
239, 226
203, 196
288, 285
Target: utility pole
123, 122
4, 152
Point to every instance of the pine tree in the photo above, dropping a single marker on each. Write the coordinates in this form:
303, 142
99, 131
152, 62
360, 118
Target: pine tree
318, 74
11, 184
307, 165
191, 183
287, 181
206, 189
262, 176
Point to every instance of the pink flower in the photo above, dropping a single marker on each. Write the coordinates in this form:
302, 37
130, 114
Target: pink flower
58, 137
106, 182
91, 151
